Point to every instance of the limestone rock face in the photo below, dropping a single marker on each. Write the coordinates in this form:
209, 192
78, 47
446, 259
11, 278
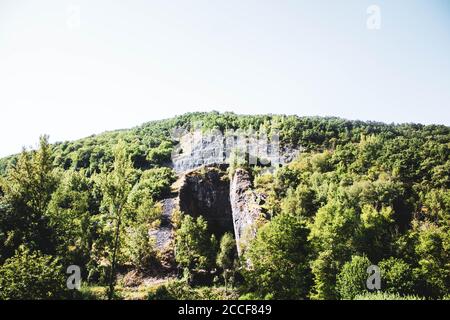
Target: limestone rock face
164, 234
245, 208
204, 189
205, 192
226, 206
197, 149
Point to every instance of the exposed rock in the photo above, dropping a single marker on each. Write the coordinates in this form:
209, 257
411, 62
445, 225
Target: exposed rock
205, 192
164, 234
227, 206
198, 148
245, 208
203, 189
132, 278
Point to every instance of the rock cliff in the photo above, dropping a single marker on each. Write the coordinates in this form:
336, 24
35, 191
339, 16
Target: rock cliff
227, 206
204, 187
205, 192
245, 208
197, 149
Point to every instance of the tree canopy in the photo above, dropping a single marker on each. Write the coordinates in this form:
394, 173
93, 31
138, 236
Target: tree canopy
357, 192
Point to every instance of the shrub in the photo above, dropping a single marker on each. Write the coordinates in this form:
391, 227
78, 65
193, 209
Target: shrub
173, 290
32, 275
351, 281
396, 276
161, 293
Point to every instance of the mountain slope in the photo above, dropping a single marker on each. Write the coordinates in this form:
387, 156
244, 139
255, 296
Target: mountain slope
167, 195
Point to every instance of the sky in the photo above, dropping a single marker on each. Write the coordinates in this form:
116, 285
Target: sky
75, 68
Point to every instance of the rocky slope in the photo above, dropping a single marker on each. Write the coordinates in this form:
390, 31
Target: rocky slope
164, 234
245, 208
227, 206
204, 188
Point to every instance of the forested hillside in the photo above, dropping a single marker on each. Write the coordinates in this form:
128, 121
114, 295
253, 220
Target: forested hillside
358, 194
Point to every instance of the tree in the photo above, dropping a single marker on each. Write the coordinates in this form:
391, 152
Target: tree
144, 215
432, 248
140, 246
300, 201
333, 238
27, 189
160, 155
194, 248
226, 258
278, 259
334, 228
31, 275
116, 187
376, 232
154, 184
436, 206
351, 281
396, 276
238, 160
70, 217
324, 271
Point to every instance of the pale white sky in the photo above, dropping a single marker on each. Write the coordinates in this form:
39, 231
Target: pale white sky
123, 63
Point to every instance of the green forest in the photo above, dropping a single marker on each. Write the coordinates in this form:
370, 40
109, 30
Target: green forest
359, 194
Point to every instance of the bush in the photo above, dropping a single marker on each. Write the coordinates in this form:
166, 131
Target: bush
161, 293
215, 293
255, 296
179, 290
173, 290
396, 276
32, 275
351, 281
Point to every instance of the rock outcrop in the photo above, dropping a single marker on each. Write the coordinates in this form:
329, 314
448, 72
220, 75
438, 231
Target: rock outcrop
164, 234
205, 192
227, 206
198, 148
245, 208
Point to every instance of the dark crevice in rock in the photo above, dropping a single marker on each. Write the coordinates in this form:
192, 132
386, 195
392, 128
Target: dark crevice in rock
206, 192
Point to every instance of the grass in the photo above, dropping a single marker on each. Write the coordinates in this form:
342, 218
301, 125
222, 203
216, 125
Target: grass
386, 296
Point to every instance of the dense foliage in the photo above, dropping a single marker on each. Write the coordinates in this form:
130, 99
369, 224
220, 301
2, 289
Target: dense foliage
278, 259
359, 193
32, 275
